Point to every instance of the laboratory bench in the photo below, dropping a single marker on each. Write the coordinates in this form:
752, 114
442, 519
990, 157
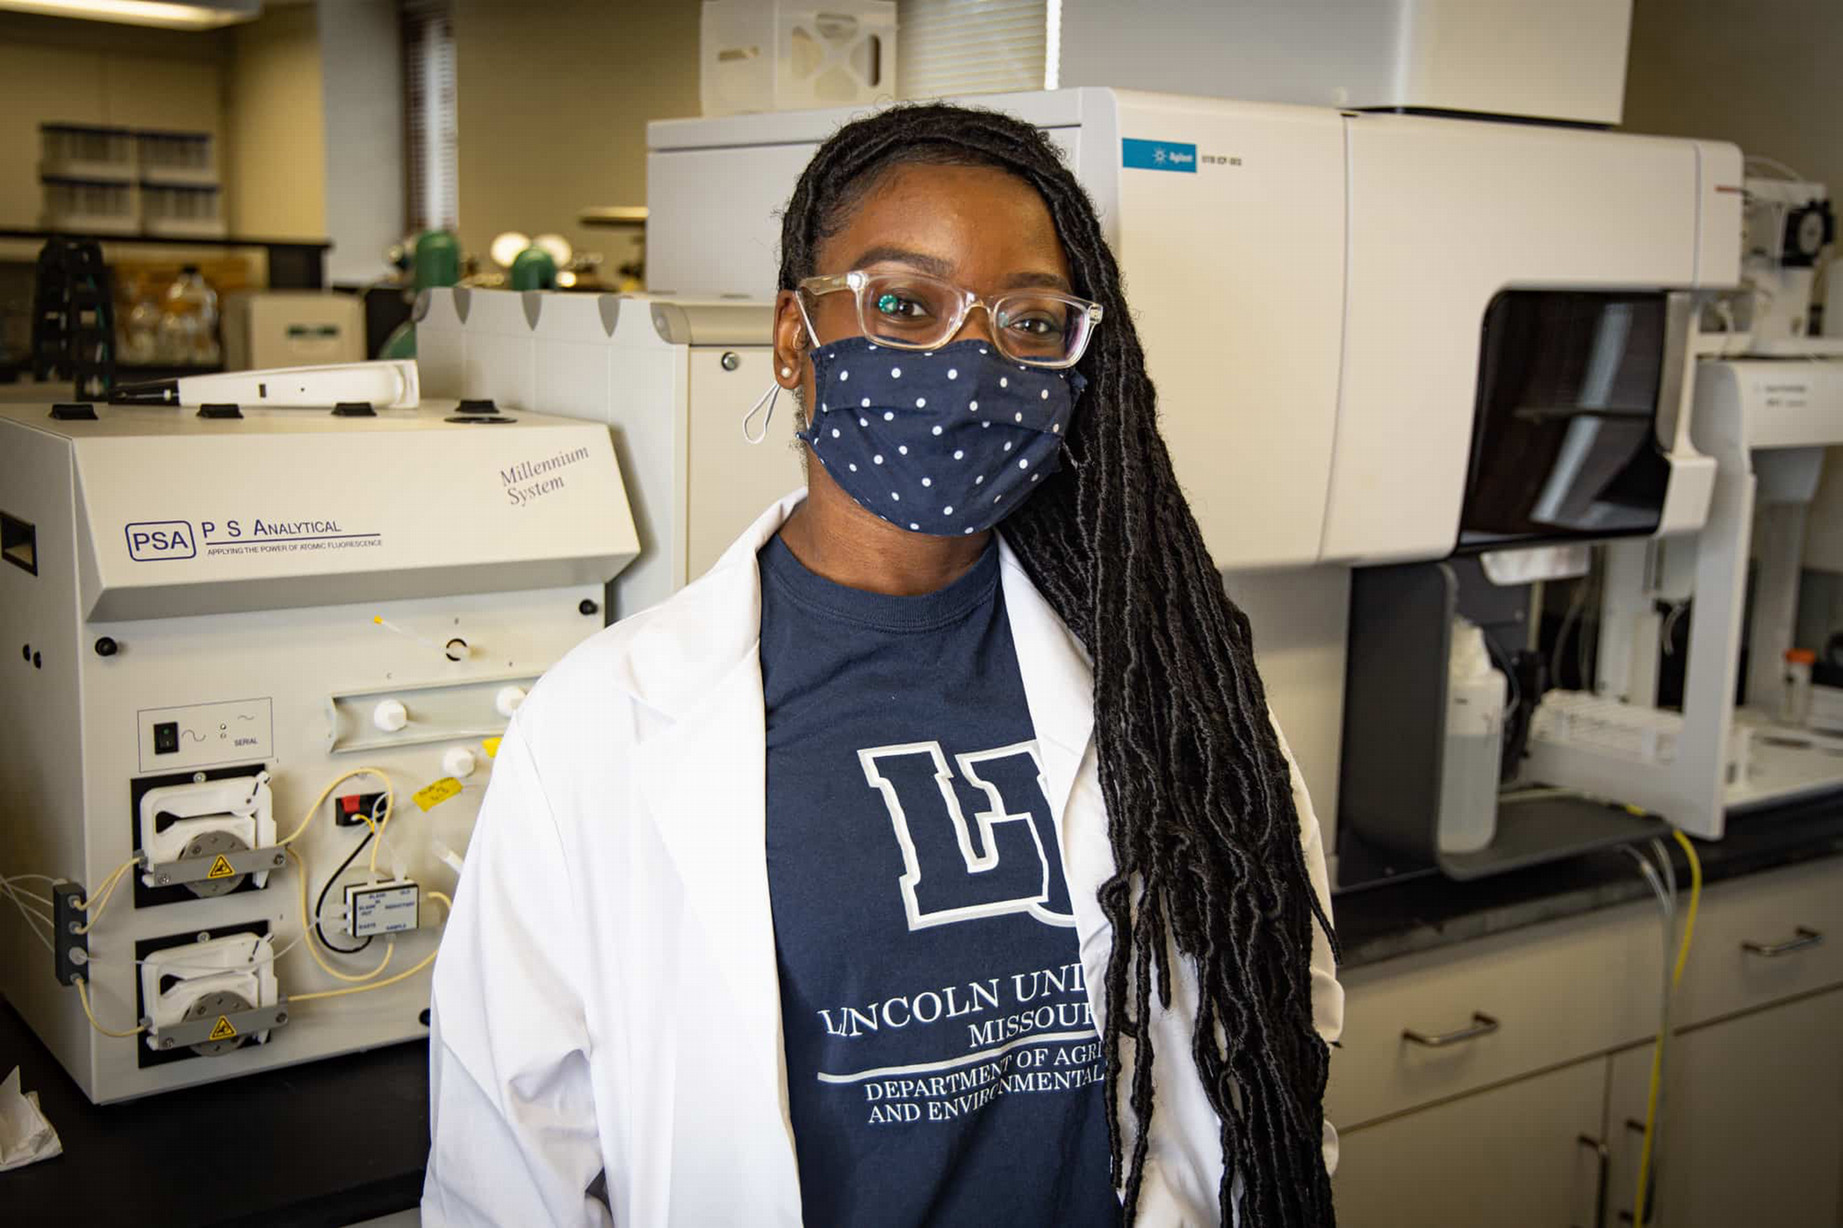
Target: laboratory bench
1394, 914
320, 1145
293, 264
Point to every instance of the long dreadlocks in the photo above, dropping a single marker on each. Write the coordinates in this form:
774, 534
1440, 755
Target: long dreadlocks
1199, 801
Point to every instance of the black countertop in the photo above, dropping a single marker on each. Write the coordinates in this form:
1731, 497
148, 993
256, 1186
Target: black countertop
322, 1145
1424, 910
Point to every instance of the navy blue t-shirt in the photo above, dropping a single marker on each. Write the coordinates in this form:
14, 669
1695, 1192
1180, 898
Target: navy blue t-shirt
942, 1060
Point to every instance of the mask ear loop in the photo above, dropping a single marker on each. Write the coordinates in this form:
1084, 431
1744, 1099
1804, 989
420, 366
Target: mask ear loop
767, 399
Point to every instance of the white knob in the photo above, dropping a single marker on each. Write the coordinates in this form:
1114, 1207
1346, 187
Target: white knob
508, 699
390, 715
458, 762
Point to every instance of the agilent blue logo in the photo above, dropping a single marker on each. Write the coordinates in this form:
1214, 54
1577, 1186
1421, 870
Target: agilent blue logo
151, 540
1158, 155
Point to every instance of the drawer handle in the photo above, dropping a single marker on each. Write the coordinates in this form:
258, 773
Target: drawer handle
1635, 1126
1482, 1025
1806, 938
1604, 1157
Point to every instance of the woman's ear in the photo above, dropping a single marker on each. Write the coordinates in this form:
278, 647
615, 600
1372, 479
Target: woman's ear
790, 341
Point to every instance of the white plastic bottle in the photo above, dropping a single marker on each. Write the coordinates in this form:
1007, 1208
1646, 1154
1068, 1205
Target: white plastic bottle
1795, 708
1473, 759
141, 326
189, 321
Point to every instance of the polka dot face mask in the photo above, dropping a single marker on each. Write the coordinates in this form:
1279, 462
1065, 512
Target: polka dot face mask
945, 442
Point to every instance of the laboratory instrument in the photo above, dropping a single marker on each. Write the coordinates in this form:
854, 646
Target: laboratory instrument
1789, 225
1531, 59
1767, 423
1387, 278
672, 378
259, 663
1347, 266
1701, 704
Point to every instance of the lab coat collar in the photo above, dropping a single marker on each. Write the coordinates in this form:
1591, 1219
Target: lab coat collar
681, 658
684, 650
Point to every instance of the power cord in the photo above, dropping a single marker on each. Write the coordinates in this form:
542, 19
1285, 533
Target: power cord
389, 793
1672, 975
33, 917
308, 928
371, 832
401, 976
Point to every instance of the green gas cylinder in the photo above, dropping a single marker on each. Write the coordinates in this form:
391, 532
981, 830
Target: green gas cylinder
534, 269
438, 259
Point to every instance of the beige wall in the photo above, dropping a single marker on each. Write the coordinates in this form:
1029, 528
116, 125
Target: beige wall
1762, 73
89, 72
552, 110
275, 164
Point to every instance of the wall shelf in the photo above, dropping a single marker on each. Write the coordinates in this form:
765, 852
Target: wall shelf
294, 264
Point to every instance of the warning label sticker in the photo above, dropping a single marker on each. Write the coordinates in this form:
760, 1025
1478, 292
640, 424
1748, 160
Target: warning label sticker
223, 1030
220, 869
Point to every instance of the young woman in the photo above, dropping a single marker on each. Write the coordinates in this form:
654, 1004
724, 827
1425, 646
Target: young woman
902, 871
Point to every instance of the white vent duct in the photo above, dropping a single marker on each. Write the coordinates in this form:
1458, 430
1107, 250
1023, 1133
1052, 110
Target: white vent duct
958, 47
1543, 59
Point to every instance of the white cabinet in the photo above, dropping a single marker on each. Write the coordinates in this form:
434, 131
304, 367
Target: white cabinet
1511, 1156
1764, 939
1493, 1010
1469, 1076
1755, 1127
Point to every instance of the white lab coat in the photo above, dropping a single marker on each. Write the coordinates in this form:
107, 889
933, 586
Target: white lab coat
607, 998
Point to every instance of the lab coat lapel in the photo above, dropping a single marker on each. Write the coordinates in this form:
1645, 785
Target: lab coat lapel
705, 783
703, 777
1058, 686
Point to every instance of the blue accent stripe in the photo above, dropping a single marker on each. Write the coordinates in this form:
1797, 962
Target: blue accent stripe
1158, 155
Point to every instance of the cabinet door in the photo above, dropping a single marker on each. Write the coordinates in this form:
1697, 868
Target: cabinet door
1753, 1129
1509, 1156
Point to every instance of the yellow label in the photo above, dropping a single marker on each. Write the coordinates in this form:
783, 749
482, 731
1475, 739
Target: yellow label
220, 869
491, 746
434, 795
223, 1030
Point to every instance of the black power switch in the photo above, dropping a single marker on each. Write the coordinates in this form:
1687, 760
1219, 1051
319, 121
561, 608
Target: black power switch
166, 738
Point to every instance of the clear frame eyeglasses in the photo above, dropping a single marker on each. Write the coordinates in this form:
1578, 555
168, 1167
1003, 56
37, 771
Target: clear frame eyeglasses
913, 311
